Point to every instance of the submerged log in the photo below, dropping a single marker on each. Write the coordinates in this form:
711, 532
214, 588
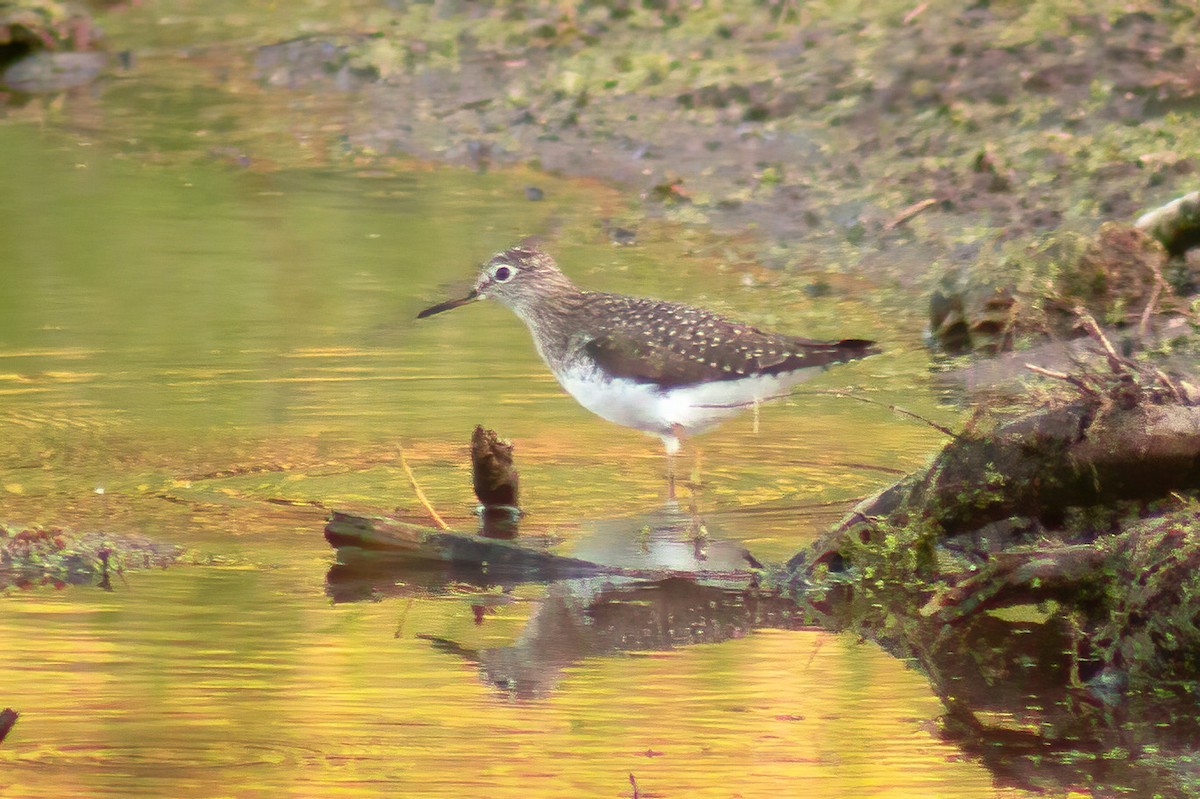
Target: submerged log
1078, 455
380, 541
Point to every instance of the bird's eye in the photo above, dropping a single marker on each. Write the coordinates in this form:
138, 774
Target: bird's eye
502, 274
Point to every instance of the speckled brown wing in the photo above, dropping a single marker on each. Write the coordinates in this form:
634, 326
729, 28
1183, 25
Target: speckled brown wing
673, 345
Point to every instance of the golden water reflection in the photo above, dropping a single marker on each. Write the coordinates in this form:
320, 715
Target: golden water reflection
221, 356
195, 681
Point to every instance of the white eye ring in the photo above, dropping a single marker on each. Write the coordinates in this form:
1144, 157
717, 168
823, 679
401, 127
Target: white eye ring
503, 273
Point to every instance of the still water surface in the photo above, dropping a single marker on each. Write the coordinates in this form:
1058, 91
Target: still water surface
213, 355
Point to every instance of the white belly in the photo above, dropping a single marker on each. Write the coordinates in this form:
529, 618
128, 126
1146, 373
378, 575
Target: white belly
687, 409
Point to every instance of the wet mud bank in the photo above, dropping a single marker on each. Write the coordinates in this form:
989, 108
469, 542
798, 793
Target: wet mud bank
878, 142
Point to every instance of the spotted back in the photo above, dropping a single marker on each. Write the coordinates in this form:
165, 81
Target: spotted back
673, 345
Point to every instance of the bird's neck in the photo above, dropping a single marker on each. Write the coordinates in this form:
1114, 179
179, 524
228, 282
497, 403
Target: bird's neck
554, 322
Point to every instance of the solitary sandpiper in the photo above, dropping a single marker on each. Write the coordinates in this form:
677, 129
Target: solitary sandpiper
668, 369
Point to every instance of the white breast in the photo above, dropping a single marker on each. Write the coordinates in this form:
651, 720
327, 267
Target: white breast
688, 409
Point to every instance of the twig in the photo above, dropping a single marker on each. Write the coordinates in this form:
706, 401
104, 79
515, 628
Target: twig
909, 212
633, 783
1075, 381
1177, 391
412, 479
1047, 372
1151, 306
1160, 283
1116, 363
914, 13
897, 409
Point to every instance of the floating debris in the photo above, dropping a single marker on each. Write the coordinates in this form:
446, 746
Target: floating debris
34, 556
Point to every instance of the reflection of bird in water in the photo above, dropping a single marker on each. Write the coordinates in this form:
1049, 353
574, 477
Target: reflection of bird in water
583, 618
665, 538
667, 369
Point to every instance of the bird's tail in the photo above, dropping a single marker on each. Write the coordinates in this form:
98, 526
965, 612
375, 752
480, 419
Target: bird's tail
850, 349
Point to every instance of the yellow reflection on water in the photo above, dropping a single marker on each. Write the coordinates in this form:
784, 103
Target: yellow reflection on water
220, 359
212, 682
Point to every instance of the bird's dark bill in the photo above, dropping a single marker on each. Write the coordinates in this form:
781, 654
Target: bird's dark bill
449, 304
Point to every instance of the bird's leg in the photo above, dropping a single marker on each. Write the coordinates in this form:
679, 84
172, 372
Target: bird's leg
670, 475
697, 462
673, 444
697, 532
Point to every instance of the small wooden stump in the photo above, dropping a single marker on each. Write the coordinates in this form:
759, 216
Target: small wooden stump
496, 483
495, 478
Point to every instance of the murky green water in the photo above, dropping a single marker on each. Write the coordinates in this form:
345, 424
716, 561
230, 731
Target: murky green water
192, 349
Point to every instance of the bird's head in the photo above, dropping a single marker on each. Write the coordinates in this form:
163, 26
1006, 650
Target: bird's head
516, 277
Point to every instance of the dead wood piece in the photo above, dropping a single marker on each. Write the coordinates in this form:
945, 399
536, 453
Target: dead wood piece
1035, 467
1145, 443
1038, 465
494, 476
373, 538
